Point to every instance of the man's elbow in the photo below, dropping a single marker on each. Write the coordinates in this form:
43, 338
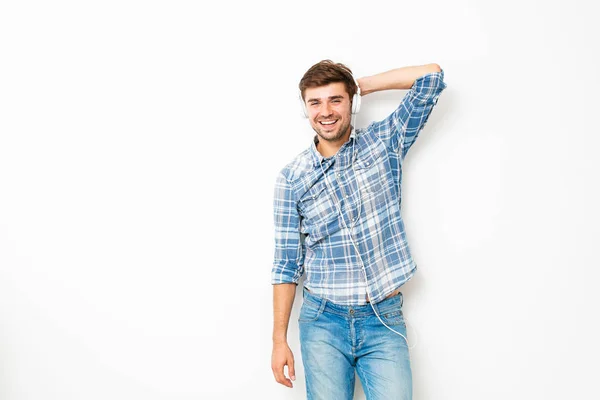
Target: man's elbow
435, 67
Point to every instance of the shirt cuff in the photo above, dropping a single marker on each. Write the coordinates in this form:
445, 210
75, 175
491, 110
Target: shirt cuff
427, 88
286, 273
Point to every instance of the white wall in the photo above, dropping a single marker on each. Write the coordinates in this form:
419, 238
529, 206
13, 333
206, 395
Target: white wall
139, 144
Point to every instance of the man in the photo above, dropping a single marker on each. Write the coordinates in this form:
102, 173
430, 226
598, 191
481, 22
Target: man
337, 217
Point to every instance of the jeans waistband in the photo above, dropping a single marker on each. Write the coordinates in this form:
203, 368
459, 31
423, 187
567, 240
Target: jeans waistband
384, 306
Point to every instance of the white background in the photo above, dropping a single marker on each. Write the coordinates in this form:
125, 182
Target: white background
139, 145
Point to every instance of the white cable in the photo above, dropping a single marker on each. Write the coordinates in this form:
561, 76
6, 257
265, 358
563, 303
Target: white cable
350, 230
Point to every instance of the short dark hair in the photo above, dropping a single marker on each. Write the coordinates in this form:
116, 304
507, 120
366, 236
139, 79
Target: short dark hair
325, 72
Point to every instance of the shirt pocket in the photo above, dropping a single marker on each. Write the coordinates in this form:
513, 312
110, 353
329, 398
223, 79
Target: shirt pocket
316, 205
370, 168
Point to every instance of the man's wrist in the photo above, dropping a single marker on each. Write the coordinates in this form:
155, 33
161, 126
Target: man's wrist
279, 339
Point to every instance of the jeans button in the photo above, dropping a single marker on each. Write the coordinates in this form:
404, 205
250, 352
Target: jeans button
351, 311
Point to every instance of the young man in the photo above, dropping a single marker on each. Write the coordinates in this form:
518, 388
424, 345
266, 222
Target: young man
337, 217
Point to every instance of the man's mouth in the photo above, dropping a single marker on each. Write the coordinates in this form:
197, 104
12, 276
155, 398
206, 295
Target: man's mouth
328, 123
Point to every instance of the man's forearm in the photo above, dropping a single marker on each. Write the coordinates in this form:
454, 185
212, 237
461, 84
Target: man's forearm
283, 299
399, 78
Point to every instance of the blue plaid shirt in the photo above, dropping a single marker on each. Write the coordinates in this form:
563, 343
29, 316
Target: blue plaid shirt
339, 218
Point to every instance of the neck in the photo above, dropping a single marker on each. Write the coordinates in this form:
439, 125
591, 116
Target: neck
328, 148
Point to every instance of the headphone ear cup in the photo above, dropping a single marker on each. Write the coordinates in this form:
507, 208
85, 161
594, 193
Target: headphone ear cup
303, 106
356, 98
356, 103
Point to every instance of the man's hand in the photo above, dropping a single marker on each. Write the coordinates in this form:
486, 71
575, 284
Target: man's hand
282, 356
283, 298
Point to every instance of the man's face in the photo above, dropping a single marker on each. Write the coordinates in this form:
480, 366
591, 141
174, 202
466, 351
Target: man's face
329, 110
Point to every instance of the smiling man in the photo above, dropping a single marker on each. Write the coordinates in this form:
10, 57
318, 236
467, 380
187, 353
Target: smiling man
337, 217
328, 106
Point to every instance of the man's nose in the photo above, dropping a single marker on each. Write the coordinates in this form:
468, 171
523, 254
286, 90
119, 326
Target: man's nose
325, 110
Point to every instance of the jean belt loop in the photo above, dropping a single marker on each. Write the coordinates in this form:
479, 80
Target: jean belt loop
376, 306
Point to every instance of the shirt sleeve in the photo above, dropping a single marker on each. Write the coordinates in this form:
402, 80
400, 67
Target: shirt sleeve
401, 128
289, 248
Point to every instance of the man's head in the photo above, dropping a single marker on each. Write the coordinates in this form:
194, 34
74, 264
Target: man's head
326, 91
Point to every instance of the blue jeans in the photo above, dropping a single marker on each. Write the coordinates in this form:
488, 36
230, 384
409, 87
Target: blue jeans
335, 340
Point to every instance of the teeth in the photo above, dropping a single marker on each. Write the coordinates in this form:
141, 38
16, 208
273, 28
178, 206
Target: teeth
328, 122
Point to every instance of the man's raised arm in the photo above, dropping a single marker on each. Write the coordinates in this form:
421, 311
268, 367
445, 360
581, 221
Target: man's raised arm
399, 78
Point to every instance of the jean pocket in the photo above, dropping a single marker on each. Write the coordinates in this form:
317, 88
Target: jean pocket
310, 311
392, 315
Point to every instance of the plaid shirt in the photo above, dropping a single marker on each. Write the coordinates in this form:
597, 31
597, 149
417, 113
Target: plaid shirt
339, 218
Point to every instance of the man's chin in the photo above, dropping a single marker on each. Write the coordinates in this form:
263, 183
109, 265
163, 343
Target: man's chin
330, 136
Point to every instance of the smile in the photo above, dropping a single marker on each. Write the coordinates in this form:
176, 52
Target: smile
328, 122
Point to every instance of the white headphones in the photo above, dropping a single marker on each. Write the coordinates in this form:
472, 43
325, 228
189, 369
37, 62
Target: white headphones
355, 101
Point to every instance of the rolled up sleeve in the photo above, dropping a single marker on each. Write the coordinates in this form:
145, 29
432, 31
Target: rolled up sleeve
401, 128
289, 248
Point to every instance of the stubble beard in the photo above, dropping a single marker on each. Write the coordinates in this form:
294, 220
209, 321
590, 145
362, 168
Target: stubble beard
336, 136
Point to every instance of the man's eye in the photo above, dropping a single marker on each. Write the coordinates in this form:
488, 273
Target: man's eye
337, 101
